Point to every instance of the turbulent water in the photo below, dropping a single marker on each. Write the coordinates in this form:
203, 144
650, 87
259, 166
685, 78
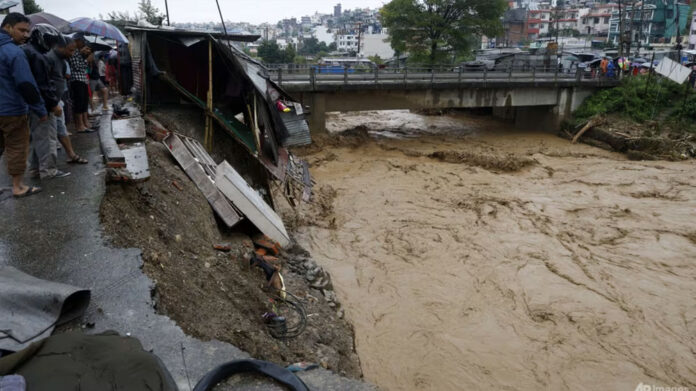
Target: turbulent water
575, 269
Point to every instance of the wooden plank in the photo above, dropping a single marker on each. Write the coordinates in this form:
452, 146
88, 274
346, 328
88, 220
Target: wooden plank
126, 130
251, 204
136, 161
106, 140
193, 169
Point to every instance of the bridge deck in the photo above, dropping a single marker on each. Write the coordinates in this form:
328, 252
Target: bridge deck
308, 80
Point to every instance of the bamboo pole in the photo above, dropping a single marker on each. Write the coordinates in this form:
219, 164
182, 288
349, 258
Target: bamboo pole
257, 133
209, 105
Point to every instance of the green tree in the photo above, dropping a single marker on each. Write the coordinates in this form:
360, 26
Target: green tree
289, 55
145, 11
150, 12
439, 30
376, 59
30, 7
271, 53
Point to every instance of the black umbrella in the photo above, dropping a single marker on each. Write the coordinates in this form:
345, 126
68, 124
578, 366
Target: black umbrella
44, 17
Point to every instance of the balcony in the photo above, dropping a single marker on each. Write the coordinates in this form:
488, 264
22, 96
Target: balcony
533, 31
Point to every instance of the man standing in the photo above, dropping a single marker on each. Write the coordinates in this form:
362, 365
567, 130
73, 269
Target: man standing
78, 83
57, 61
18, 95
42, 156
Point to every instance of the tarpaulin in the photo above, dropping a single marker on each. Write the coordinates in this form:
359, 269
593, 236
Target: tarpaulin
31, 307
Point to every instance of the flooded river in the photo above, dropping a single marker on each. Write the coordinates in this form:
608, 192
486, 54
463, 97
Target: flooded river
507, 260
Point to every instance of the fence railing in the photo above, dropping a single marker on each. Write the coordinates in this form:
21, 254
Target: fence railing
289, 74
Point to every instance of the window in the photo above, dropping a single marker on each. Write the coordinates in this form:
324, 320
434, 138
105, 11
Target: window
595, 21
606, 20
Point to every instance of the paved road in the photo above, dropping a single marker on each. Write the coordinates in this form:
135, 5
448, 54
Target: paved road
56, 235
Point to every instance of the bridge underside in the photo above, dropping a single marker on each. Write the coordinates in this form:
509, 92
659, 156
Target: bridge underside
539, 107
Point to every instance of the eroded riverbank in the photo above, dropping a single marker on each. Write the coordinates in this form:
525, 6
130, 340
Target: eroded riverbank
576, 270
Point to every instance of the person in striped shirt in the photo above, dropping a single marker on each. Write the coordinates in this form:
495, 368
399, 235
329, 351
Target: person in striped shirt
79, 83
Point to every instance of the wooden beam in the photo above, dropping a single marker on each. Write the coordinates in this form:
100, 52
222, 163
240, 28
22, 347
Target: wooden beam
209, 103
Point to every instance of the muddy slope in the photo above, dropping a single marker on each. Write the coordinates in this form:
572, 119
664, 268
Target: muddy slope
210, 294
575, 272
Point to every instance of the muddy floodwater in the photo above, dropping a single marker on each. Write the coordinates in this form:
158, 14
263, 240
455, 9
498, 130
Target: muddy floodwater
469, 255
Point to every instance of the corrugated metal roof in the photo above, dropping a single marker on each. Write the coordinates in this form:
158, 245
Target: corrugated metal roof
294, 121
194, 33
298, 129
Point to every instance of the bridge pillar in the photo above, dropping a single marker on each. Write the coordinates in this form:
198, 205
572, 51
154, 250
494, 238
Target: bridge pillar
317, 117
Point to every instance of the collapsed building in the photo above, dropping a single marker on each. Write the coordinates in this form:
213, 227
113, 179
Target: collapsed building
237, 99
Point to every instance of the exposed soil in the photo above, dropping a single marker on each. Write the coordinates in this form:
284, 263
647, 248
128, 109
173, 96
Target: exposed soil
651, 140
216, 295
575, 272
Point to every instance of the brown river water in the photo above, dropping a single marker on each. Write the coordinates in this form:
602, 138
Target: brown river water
511, 260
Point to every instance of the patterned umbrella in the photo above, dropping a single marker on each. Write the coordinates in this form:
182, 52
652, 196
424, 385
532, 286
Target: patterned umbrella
45, 17
97, 27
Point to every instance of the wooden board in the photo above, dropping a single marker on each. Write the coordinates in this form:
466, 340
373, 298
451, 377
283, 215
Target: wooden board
193, 169
137, 165
131, 129
250, 203
106, 140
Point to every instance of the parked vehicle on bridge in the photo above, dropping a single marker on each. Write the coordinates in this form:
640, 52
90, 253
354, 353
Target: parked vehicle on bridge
340, 65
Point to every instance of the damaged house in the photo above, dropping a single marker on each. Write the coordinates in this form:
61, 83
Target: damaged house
246, 119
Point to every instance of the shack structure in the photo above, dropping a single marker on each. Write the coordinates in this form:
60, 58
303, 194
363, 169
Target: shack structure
234, 92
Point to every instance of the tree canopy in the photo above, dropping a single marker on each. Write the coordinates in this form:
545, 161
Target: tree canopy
434, 31
145, 11
312, 47
30, 7
271, 53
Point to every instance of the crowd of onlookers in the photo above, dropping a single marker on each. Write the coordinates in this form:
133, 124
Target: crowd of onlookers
46, 77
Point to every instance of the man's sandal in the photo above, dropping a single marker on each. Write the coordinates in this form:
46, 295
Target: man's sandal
77, 159
30, 191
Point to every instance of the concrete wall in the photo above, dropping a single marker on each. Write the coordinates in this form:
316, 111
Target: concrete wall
528, 107
376, 45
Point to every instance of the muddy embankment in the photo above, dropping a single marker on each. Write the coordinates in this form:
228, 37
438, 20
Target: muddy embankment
217, 295
469, 255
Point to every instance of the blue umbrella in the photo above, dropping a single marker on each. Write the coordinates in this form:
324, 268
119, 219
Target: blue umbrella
98, 27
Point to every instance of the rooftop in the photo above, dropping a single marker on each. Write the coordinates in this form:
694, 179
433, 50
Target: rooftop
197, 33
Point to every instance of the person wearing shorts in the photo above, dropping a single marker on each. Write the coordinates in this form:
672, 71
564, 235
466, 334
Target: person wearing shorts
95, 83
19, 95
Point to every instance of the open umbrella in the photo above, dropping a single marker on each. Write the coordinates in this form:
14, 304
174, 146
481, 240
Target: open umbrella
45, 17
98, 27
96, 43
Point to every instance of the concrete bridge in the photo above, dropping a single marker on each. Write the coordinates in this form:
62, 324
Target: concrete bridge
529, 97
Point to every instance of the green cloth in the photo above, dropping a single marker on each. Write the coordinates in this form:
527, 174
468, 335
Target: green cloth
75, 361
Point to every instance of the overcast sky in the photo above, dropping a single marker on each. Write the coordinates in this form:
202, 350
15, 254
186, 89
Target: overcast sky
253, 11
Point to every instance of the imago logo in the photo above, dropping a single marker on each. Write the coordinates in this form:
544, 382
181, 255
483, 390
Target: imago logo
644, 387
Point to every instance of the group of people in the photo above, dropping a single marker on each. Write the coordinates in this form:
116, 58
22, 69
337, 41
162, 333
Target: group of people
610, 68
41, 73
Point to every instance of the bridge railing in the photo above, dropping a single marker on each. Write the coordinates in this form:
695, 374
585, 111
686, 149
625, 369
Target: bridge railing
336, 75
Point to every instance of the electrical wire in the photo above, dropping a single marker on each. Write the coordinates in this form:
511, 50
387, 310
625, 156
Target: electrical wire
282, 330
